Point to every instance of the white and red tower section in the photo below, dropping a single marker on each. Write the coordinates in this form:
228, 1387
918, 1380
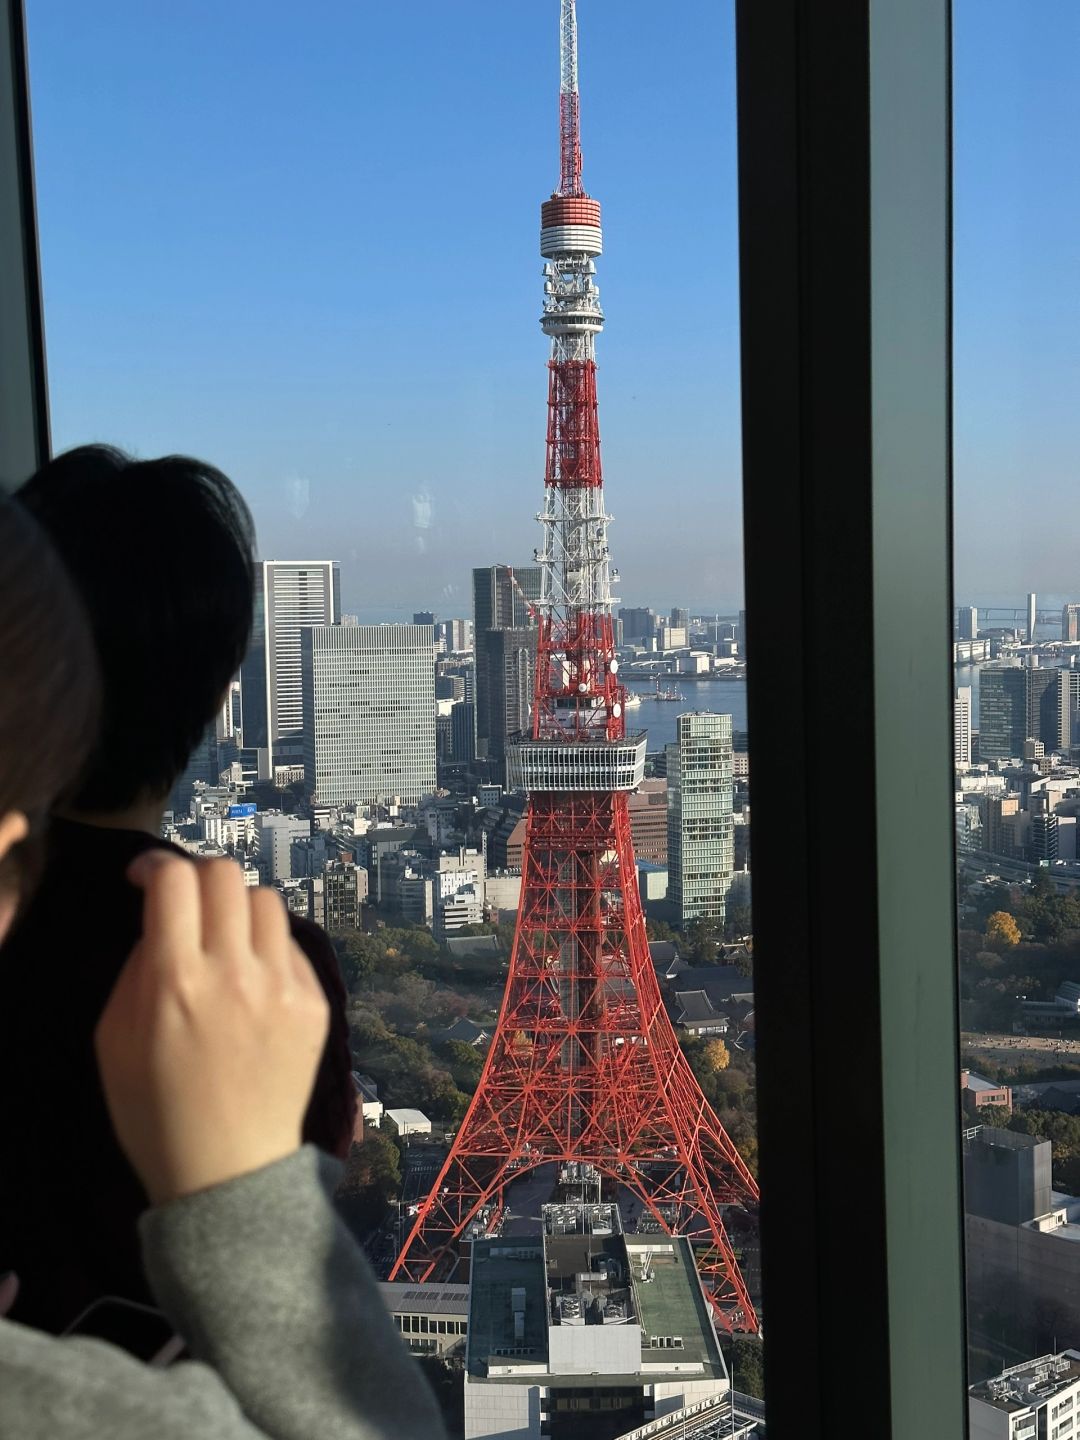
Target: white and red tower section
584, 1065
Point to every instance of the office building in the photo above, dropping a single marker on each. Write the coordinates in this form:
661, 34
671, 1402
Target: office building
369, 707
639, 624
701, 839
463, 733
274, 834
967, 623
290, 595
584, 1331
962, 727
504, 639
1070, 623
1032, 603
455, 635
1070, 727
680, 619
432, 1317
502, 597
423, 617
649, 821
1019, 704
505, 675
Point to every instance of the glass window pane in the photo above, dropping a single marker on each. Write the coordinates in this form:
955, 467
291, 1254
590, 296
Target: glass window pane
1017, 731
316, 256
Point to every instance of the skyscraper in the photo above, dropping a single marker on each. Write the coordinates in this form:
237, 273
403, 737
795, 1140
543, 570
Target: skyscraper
1070, 623
967, 623
369, 712
701, 827
1019, 704
289, 596
505, 644
505, 674
1032, 602
502, 597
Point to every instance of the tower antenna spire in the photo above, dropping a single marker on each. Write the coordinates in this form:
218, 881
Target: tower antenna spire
569, 103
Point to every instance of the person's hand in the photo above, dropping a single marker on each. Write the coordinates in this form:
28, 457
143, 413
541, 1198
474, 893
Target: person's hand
210, 1041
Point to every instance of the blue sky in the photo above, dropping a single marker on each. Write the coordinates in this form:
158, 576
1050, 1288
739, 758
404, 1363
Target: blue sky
308, 253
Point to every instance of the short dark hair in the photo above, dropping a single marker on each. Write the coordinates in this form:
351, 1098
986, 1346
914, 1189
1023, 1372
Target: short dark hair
162, 552
49, 694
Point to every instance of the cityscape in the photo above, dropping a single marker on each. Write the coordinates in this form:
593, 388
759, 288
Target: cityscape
523, 817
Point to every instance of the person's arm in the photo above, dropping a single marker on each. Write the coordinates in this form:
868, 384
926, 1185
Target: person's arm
85, 1389
265, 1283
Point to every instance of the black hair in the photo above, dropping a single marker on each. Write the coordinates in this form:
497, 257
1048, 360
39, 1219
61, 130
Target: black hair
49, 693
162, 552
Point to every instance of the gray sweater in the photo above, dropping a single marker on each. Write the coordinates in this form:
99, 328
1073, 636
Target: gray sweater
278, 1305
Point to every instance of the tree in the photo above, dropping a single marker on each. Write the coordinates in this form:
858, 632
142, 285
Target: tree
717, 1056
748, 1368
738, 922
1002, 929
371, 1181
700, 940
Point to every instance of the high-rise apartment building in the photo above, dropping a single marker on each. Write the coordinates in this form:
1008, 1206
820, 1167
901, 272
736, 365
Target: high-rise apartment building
1070, 623
335, 896
369, 713
1032, 611
962, 727
967, 623
290, 596
701, 834
1020, 704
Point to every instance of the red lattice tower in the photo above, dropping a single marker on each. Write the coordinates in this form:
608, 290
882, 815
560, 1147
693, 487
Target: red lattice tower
584, 1065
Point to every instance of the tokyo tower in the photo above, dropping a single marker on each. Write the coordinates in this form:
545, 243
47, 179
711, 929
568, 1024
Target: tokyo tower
584, 1065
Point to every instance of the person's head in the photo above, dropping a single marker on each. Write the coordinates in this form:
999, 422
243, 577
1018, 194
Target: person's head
162, 552
48, 697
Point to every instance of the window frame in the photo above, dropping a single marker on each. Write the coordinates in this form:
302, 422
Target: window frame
845, 252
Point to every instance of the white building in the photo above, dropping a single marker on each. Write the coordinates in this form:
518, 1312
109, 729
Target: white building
274, 836
701, 826
369, 713
289, 595
583, 1317
502, 890
1040, 1398
367, 1097
409, 1122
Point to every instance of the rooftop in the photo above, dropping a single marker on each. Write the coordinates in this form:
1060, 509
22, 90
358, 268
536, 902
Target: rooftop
634, 1304
424, 1299
1027, 1386
670, 1302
